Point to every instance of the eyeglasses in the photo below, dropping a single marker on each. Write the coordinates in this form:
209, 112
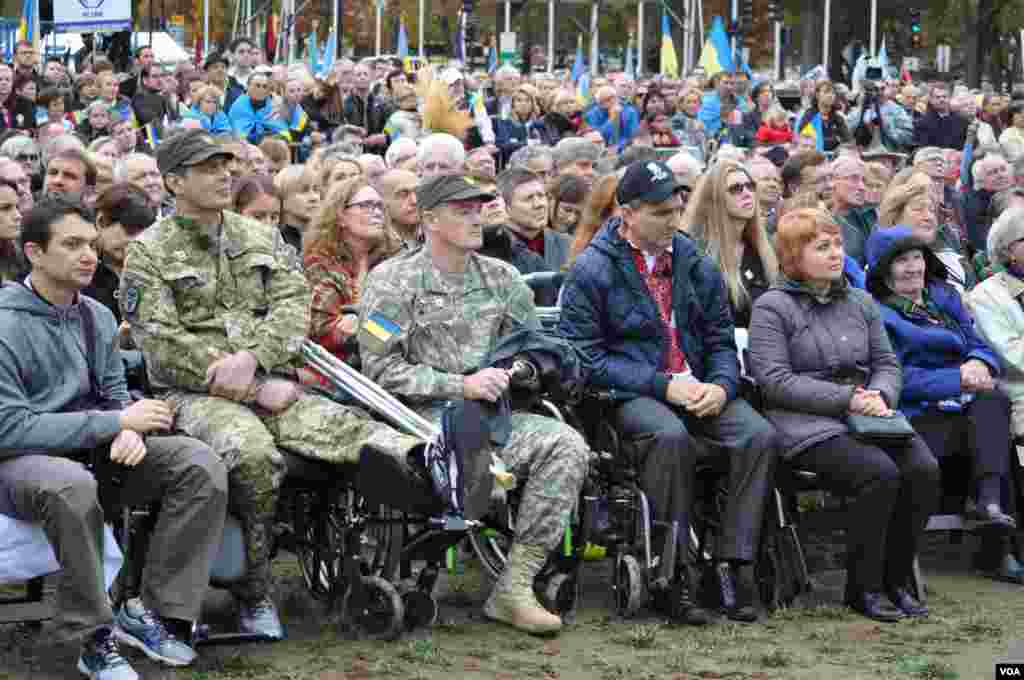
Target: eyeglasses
368, 206
738, 189
27, 158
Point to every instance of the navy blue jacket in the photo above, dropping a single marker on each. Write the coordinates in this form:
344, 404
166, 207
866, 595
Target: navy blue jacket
609, 313
930, 354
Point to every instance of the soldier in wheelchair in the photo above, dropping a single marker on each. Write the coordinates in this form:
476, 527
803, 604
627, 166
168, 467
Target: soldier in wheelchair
64, 404
428, 322
651, 317
219, 307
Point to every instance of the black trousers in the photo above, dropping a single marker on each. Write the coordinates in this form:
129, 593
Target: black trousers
62, 495
895, 489
667, 477
981, 431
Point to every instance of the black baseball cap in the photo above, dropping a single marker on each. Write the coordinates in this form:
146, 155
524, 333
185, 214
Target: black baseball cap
215, 58
187, 148
648, 181
443, 188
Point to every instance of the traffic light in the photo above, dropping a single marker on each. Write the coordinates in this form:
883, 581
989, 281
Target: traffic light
775, 11
746, 18
915, 28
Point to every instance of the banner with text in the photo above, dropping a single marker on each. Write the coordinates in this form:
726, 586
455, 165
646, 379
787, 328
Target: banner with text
87, 16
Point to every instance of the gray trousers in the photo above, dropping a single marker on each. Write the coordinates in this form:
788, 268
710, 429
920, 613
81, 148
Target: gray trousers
665, 436
60, 494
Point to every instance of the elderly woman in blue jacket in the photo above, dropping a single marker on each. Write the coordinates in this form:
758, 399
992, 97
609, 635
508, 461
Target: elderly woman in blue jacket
206, 109
949, 381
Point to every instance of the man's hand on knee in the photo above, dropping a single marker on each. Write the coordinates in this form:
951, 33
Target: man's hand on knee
128, 448
277, 395
707, 400
232, 376
147, 415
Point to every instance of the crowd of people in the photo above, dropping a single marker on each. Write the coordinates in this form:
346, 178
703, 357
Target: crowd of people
189, 228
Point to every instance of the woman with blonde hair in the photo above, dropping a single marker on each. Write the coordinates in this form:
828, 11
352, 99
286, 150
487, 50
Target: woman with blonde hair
338, 169
685, 123
598, 208
910, 202
300, 197
207, 109
350, 239
723, 217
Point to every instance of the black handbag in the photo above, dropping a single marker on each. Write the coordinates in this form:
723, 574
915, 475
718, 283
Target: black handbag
891, 429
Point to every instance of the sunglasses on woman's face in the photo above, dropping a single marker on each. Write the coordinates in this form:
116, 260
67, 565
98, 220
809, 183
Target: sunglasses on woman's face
738, 189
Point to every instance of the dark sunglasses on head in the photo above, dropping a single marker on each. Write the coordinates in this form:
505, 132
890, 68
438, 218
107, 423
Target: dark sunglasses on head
26, 157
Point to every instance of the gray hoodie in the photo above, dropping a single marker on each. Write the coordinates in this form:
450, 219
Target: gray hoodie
43, 370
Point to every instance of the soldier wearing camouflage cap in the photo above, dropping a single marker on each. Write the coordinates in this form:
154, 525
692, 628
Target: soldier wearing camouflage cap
428, 320
219, 306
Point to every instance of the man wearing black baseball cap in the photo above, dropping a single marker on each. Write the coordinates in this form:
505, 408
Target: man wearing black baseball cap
652, 313
429, 321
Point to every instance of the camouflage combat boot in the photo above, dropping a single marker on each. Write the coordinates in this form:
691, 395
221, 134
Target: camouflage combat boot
512, 601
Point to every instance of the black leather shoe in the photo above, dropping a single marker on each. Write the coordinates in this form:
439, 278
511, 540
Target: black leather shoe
874, 606
907, 603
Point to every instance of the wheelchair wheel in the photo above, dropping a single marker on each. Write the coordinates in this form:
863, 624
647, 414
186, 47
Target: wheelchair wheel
492, 541
420, 609
319, 545
628, 586
377, 613
559, 596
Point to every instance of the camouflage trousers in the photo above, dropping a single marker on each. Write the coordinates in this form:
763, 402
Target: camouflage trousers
550, 461
249, 441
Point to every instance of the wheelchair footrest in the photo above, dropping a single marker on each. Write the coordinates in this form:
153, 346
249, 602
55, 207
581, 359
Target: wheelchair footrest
204, 636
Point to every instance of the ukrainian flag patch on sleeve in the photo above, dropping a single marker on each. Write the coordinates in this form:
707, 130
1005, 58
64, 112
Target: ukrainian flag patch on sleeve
380, 327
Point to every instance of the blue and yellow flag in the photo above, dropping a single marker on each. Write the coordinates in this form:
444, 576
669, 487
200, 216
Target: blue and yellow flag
27, 27
152, 135
717, 55
327, 62
669, 63
314, 53
580, 74
403, 45
812, 130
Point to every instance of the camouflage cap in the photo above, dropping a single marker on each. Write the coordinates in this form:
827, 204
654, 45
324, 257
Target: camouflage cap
188, 148
443, 188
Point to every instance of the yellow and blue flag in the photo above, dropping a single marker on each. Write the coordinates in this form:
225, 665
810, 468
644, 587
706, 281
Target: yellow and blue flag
717, 55
669, 63
580, 74
27, 27
492, 59
813, 130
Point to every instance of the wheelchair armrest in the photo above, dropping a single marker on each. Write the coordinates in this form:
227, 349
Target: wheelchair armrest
541, 280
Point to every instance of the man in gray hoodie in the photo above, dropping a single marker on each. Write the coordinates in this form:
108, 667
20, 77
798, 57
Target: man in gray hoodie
63, 402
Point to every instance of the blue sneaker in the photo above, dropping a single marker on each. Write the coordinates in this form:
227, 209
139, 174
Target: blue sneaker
260, 618
100, 659
142, 629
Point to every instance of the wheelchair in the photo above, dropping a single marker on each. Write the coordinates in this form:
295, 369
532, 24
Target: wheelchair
614, 521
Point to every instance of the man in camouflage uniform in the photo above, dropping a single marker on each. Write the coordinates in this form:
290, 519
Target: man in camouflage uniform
219, 307
428, 320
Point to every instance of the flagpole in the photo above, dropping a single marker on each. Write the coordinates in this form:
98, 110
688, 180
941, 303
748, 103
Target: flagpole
419, 29
778, 50
639, 67
593, 39
824, 40
551, 35
380, 10
206, 28
874, 27
334, 23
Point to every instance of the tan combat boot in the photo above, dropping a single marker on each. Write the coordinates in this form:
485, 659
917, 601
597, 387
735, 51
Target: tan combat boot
512, 601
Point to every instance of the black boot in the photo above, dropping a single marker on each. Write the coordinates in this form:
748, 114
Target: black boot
736, 583
682, 604
873, 606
